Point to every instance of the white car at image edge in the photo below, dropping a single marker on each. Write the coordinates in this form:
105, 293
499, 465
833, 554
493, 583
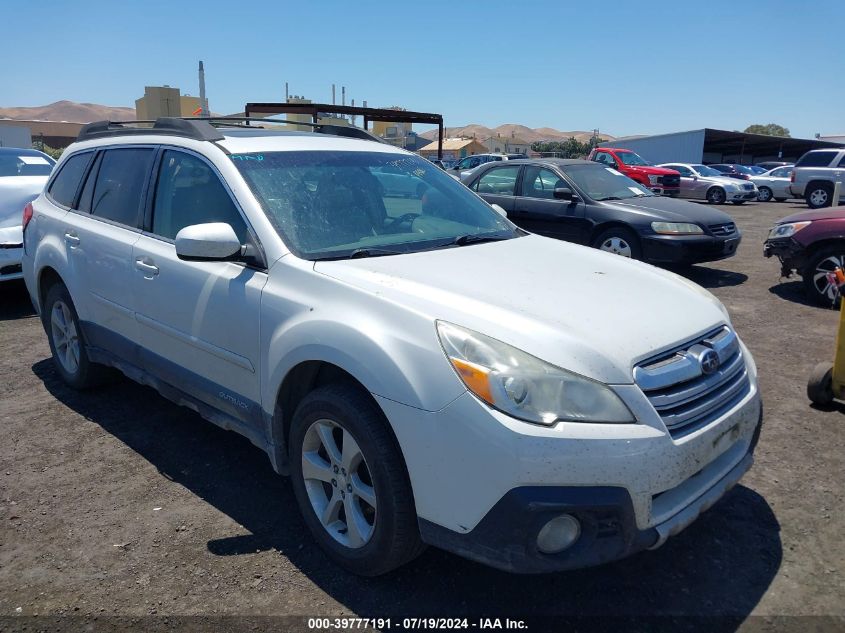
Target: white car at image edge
425, 372
23, 174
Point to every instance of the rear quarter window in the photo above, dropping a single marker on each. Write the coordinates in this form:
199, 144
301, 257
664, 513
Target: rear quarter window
66, 183
816, 159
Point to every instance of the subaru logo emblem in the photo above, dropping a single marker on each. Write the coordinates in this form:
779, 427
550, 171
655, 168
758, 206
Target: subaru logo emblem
709, 362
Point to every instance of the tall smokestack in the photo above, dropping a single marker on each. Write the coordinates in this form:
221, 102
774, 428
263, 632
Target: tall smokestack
343, 95
333, 96
203, 101
287, 95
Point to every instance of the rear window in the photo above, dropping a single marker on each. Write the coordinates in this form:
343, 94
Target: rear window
66, 184
25, 164
820, 158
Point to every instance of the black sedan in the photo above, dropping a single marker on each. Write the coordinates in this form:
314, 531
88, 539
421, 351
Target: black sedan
740, 172
587, 203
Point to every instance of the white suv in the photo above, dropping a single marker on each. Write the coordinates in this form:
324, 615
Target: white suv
425, 371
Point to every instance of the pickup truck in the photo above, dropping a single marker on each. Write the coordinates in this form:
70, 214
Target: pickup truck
662, 181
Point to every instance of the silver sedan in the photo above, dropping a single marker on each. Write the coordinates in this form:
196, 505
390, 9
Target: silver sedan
701, 182
774, 184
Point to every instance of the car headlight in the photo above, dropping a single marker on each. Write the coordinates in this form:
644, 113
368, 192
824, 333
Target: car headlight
787, 230
653, 179
524, 386
676, 228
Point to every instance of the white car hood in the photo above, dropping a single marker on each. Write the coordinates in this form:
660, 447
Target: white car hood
576, 307
15, 192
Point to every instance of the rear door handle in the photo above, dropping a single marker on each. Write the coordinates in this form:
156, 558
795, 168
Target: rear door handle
149, 270
72, 239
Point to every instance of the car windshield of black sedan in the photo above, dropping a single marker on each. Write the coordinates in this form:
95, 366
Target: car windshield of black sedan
604, 183
630, 158
334, 205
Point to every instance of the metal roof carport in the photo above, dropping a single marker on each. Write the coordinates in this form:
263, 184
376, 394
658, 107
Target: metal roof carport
709, 145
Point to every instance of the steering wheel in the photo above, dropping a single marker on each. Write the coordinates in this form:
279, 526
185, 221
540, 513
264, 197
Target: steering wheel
402, 219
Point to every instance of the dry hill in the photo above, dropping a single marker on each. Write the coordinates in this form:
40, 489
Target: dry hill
69, 111
519, 131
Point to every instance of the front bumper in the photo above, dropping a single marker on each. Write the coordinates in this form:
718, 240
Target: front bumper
742, 195
507, 536
10, 261
688, 249
788, 251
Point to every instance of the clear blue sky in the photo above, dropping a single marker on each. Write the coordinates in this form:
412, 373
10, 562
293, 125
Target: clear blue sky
626, 68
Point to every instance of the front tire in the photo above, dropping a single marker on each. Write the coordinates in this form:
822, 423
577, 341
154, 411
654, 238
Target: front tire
350, 481
66, 343
819, 195
764, 194
620, 241
716, 195
816, 286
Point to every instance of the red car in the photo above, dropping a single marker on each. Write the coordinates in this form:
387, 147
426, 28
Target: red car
660, 180
812, 243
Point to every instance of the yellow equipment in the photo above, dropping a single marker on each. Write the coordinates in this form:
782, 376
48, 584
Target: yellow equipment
827, 381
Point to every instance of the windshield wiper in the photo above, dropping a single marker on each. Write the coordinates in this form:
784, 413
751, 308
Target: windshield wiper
371, 252
609, 198
463, 240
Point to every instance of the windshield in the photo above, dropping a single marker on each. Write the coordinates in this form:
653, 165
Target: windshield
332, 205
25, 164
742, 169
604, 183
757, 170
704, 170
630, 158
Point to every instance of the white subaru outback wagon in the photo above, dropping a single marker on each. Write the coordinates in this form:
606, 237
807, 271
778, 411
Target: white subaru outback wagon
426, 372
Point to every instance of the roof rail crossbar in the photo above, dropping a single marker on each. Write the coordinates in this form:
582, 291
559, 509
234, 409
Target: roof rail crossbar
169, 126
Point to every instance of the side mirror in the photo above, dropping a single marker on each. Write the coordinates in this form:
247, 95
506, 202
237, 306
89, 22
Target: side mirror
500, 210
564, 193
214, 241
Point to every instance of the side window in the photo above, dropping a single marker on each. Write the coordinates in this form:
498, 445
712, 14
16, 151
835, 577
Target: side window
188, 192
603, 157
842, 161
66, 184
684, 171
120, 182
500, 181
86, 198
541, 183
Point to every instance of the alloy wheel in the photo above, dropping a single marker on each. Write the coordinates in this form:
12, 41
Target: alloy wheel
65, 337
820, 280
818, 197
338, 483
764, 195
616, 245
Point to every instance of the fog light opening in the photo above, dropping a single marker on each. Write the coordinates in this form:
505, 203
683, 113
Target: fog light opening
558, 534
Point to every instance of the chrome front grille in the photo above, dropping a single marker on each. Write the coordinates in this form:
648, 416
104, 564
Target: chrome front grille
729, 228
684, 395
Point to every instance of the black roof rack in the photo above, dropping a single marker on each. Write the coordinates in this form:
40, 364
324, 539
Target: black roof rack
206, 128
199, 130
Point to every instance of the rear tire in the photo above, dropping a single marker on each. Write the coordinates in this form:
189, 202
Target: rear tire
819, 195
351, 483
820, 385
816, 287
66, 341
619, 240
716, 195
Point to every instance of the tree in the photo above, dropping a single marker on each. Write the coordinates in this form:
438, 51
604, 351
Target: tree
771, 129
570, 148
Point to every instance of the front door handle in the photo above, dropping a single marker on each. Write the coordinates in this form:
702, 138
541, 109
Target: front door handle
149, 270
72, 239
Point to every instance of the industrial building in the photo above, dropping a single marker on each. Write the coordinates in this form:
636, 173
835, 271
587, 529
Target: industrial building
709, 146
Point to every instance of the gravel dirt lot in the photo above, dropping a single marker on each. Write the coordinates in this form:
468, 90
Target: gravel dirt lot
116, 502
